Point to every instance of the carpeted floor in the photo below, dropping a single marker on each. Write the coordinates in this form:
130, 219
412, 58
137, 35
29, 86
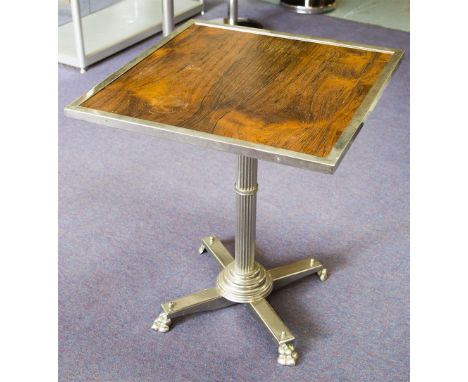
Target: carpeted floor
133, 209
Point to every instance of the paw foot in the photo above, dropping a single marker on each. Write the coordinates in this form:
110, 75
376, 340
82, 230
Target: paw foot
287, 355
202, 249
162, 323
323, 274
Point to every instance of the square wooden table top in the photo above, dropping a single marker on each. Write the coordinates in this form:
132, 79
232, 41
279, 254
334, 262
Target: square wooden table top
292, 99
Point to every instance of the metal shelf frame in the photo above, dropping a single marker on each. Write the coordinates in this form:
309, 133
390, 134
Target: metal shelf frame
79, 47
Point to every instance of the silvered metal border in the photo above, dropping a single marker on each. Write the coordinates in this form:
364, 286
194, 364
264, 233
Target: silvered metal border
327, 164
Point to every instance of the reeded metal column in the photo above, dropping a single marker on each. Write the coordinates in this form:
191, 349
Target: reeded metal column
244, 280
246, 212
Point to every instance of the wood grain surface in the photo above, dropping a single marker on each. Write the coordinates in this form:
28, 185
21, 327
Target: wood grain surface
280, 92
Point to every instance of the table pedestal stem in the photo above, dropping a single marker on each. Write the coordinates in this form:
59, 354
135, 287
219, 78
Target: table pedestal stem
246, 211
242, 279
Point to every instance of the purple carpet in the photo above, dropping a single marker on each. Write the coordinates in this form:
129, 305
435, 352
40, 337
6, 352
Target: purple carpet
134, 208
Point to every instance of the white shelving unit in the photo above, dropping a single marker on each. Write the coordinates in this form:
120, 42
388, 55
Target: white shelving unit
98, 35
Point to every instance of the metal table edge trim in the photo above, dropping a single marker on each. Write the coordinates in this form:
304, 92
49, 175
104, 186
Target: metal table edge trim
199, 138
327, 165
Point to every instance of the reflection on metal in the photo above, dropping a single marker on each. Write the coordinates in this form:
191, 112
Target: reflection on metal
233, 8
309, 6
246, 287
264, 312
242, 280
289, 273
246, 213
168, 16
218, 250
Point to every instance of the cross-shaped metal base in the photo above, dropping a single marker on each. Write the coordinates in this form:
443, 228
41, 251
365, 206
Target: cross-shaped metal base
211, 299
242, 279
